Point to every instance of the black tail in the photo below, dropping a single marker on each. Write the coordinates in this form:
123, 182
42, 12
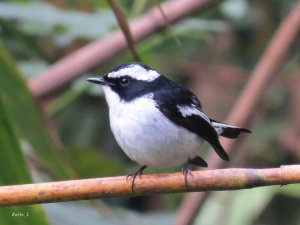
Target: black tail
227, 130
220, 150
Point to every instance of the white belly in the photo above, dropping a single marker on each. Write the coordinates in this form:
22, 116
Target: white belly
149, 138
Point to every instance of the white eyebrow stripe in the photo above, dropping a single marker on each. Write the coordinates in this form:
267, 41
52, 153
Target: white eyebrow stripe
137, 72
188, 111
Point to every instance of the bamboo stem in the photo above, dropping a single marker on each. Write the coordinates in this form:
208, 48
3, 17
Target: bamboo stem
201, 180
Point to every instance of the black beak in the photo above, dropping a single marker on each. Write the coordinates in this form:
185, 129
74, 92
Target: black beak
99, 80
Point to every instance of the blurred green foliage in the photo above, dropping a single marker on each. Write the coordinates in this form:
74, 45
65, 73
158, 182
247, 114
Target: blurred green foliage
14, 170
219, 50
24, 114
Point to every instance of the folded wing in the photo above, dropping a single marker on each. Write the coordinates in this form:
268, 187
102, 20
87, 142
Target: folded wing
184, 109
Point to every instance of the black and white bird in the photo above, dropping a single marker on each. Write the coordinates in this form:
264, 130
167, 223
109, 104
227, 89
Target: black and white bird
155, 121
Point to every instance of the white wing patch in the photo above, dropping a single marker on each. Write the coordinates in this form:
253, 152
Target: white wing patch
219, 127
191, 110
135, 71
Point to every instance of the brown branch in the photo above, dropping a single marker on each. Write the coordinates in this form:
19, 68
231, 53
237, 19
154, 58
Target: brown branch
244, 109
97, 52
201, 180
290, 139
167, 23
123, 23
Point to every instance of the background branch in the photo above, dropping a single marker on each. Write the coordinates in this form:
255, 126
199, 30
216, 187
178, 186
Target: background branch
244, 108
123, 23
201, 180
97, 52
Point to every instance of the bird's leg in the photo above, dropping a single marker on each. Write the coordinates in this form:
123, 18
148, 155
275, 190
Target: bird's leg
139, 172
186, 170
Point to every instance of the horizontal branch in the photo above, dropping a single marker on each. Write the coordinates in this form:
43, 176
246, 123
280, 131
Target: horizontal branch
201, 180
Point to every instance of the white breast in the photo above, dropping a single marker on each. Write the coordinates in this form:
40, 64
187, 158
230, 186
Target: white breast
146, 135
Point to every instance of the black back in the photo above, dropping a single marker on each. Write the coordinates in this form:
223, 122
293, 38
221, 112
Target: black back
172, 96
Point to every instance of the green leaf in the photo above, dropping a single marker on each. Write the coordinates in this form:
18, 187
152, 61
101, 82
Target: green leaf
66, 25
240, 207
247, 205
14, 170
291, 190
25, 116
12, 163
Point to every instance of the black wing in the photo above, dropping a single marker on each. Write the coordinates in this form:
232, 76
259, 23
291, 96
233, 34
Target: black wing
171, 99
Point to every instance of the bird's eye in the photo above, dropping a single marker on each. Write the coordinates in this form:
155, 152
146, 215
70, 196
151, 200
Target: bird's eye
124, 81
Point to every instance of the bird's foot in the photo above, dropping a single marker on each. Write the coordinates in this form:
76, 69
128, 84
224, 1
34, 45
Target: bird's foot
186, 170
139, 173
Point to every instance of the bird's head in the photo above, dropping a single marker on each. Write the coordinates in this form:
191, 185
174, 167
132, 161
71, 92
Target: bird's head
128, 81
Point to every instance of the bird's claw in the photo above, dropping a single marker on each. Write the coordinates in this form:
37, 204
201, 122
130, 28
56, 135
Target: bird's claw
186, 171
139, 173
